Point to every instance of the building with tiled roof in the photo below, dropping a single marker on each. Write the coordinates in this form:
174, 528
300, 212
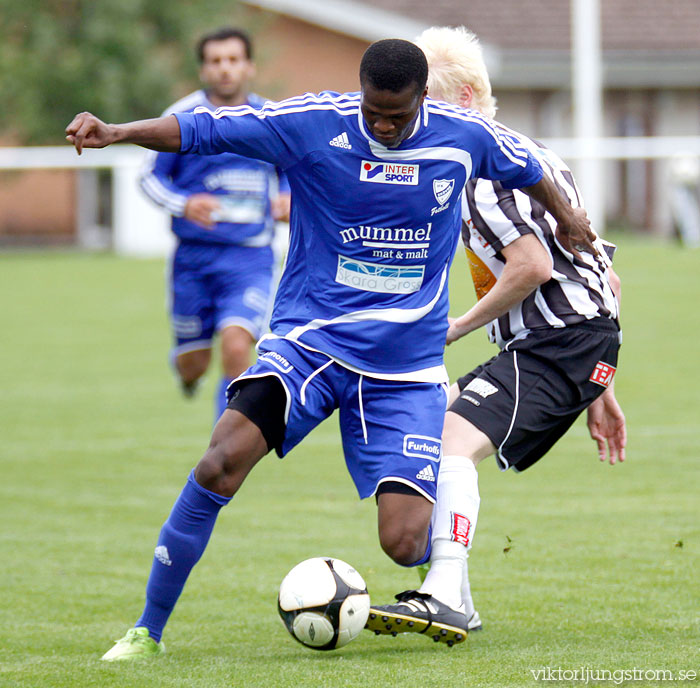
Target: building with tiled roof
650, 65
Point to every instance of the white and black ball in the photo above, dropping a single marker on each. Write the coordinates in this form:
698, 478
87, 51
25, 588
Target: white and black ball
323, 603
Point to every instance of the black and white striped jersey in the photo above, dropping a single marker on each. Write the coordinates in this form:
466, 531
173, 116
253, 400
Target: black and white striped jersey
493, 217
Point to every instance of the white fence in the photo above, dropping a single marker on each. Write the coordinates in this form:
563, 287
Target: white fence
139, 228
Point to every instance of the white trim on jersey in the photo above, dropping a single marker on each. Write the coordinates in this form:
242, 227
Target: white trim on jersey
440, 153
509, 145
188, 102
516, 154
173, 202
342, 99
420, 121
434, 374
396, 315
342, 106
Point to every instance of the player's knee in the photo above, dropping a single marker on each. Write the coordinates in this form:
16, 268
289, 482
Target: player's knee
210, 472
236, 347
236, 359
192, 365
218, 470
403, 546
235, 447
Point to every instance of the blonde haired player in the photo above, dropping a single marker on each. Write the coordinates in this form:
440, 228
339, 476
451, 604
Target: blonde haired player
552, 310
457, 71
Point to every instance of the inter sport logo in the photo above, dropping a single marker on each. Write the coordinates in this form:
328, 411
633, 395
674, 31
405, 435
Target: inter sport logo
388, 173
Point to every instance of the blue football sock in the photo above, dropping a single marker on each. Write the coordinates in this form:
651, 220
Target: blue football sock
221, 396
182, 541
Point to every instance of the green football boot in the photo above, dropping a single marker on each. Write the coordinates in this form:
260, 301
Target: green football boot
136, 644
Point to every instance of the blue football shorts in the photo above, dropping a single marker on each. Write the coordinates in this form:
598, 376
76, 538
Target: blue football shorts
390, 430
214, 286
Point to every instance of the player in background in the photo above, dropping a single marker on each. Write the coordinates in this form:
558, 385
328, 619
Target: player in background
223, 209
554, 315
376, 178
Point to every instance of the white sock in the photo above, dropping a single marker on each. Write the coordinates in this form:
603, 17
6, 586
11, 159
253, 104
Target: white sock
467, 593
454, 519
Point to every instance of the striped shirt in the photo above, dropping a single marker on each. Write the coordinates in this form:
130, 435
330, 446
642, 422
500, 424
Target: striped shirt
493, 217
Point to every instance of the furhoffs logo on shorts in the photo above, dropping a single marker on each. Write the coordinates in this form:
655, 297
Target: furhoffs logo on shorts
422, 447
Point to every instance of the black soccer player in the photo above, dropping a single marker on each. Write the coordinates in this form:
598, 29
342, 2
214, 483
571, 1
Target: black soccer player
373, 229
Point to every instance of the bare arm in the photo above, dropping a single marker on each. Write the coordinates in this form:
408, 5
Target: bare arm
161, 134
527, 266
615, 284
573, 227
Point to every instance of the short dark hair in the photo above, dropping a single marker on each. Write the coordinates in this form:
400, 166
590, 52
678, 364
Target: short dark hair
224, 34
393, 64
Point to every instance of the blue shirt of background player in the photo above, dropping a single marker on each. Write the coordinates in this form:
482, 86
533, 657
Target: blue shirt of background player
246, 187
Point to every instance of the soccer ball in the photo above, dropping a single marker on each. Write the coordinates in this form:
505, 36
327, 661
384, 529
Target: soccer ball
323, 603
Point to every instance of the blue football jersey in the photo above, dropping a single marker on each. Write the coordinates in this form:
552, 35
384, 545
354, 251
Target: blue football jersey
244, 185
373, 230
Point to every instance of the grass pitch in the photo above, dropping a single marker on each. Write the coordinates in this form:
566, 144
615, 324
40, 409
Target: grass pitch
575, 566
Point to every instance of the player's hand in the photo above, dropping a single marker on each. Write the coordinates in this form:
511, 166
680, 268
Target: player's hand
606, 423
280, 207
199, 209
577, 235
87, 131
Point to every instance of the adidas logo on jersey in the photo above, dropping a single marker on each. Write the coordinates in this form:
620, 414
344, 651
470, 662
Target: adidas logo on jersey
341, 141
426, 474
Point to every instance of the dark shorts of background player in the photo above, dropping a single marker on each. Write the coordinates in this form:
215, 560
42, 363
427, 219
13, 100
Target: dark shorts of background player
537, 388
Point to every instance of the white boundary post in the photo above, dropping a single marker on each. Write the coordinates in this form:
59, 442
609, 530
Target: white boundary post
140, 227
587, 78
